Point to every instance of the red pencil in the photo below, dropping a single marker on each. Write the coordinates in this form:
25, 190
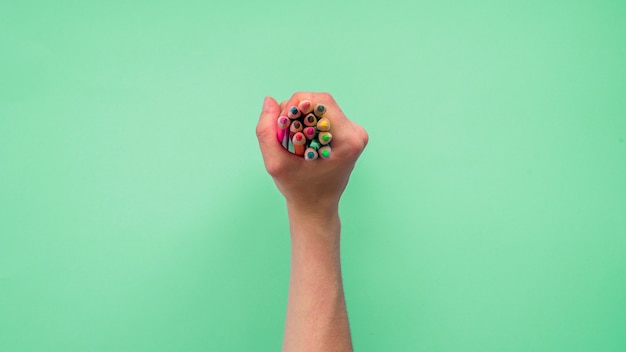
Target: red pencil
299, 143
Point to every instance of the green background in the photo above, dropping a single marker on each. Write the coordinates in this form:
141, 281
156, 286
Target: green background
488, 212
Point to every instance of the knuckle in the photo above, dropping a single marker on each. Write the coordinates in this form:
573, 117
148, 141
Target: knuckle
354, 146
326, 96
260, 131
365, 137
275, 168
298, 96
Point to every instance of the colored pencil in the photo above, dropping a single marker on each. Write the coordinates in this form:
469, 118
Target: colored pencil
310, 120
310, 154
286, 139
325, 137
305, 107
320, 110
299, 143
290, 145
325, 152
281, 131
315, 144
305, 132
309, 133
296, 126
323, 124
294, 112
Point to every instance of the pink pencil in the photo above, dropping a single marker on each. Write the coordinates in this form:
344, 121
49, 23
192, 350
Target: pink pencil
283, 129
305, 107
309, 133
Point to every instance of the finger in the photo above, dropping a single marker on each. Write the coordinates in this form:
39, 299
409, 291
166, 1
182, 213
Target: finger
341, 126
266, 127
349, 139
295, 99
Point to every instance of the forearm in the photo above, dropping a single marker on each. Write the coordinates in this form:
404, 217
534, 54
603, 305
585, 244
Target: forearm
317, 319
316, 311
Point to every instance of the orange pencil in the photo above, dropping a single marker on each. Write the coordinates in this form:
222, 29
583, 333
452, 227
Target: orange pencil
299, 143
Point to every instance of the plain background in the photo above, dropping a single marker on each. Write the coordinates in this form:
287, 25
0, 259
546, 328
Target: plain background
488, 212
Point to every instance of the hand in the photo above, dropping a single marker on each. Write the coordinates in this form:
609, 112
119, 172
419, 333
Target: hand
310, 184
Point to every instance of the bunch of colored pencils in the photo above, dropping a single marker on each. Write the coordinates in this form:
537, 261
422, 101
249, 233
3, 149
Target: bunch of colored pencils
305, 131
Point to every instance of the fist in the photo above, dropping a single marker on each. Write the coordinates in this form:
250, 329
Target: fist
309, 184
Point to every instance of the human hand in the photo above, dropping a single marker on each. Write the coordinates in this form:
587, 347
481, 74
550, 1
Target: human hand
310, 184
316, 310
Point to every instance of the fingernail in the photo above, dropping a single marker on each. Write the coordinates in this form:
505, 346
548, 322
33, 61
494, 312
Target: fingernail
266, 103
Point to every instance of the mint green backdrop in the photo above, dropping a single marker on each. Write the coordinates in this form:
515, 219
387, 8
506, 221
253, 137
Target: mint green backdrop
488, 212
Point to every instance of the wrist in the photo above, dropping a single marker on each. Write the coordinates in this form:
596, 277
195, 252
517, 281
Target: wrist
318, 227
319, 210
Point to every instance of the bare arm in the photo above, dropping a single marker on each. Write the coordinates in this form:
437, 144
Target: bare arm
316, 310
317, 319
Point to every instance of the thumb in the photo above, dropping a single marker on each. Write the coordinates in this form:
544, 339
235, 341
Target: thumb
266, 127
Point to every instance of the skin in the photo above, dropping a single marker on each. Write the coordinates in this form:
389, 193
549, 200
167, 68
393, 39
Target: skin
316, 319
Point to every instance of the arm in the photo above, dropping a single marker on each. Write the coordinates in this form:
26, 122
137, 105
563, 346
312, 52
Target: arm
316, 309
317, 319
